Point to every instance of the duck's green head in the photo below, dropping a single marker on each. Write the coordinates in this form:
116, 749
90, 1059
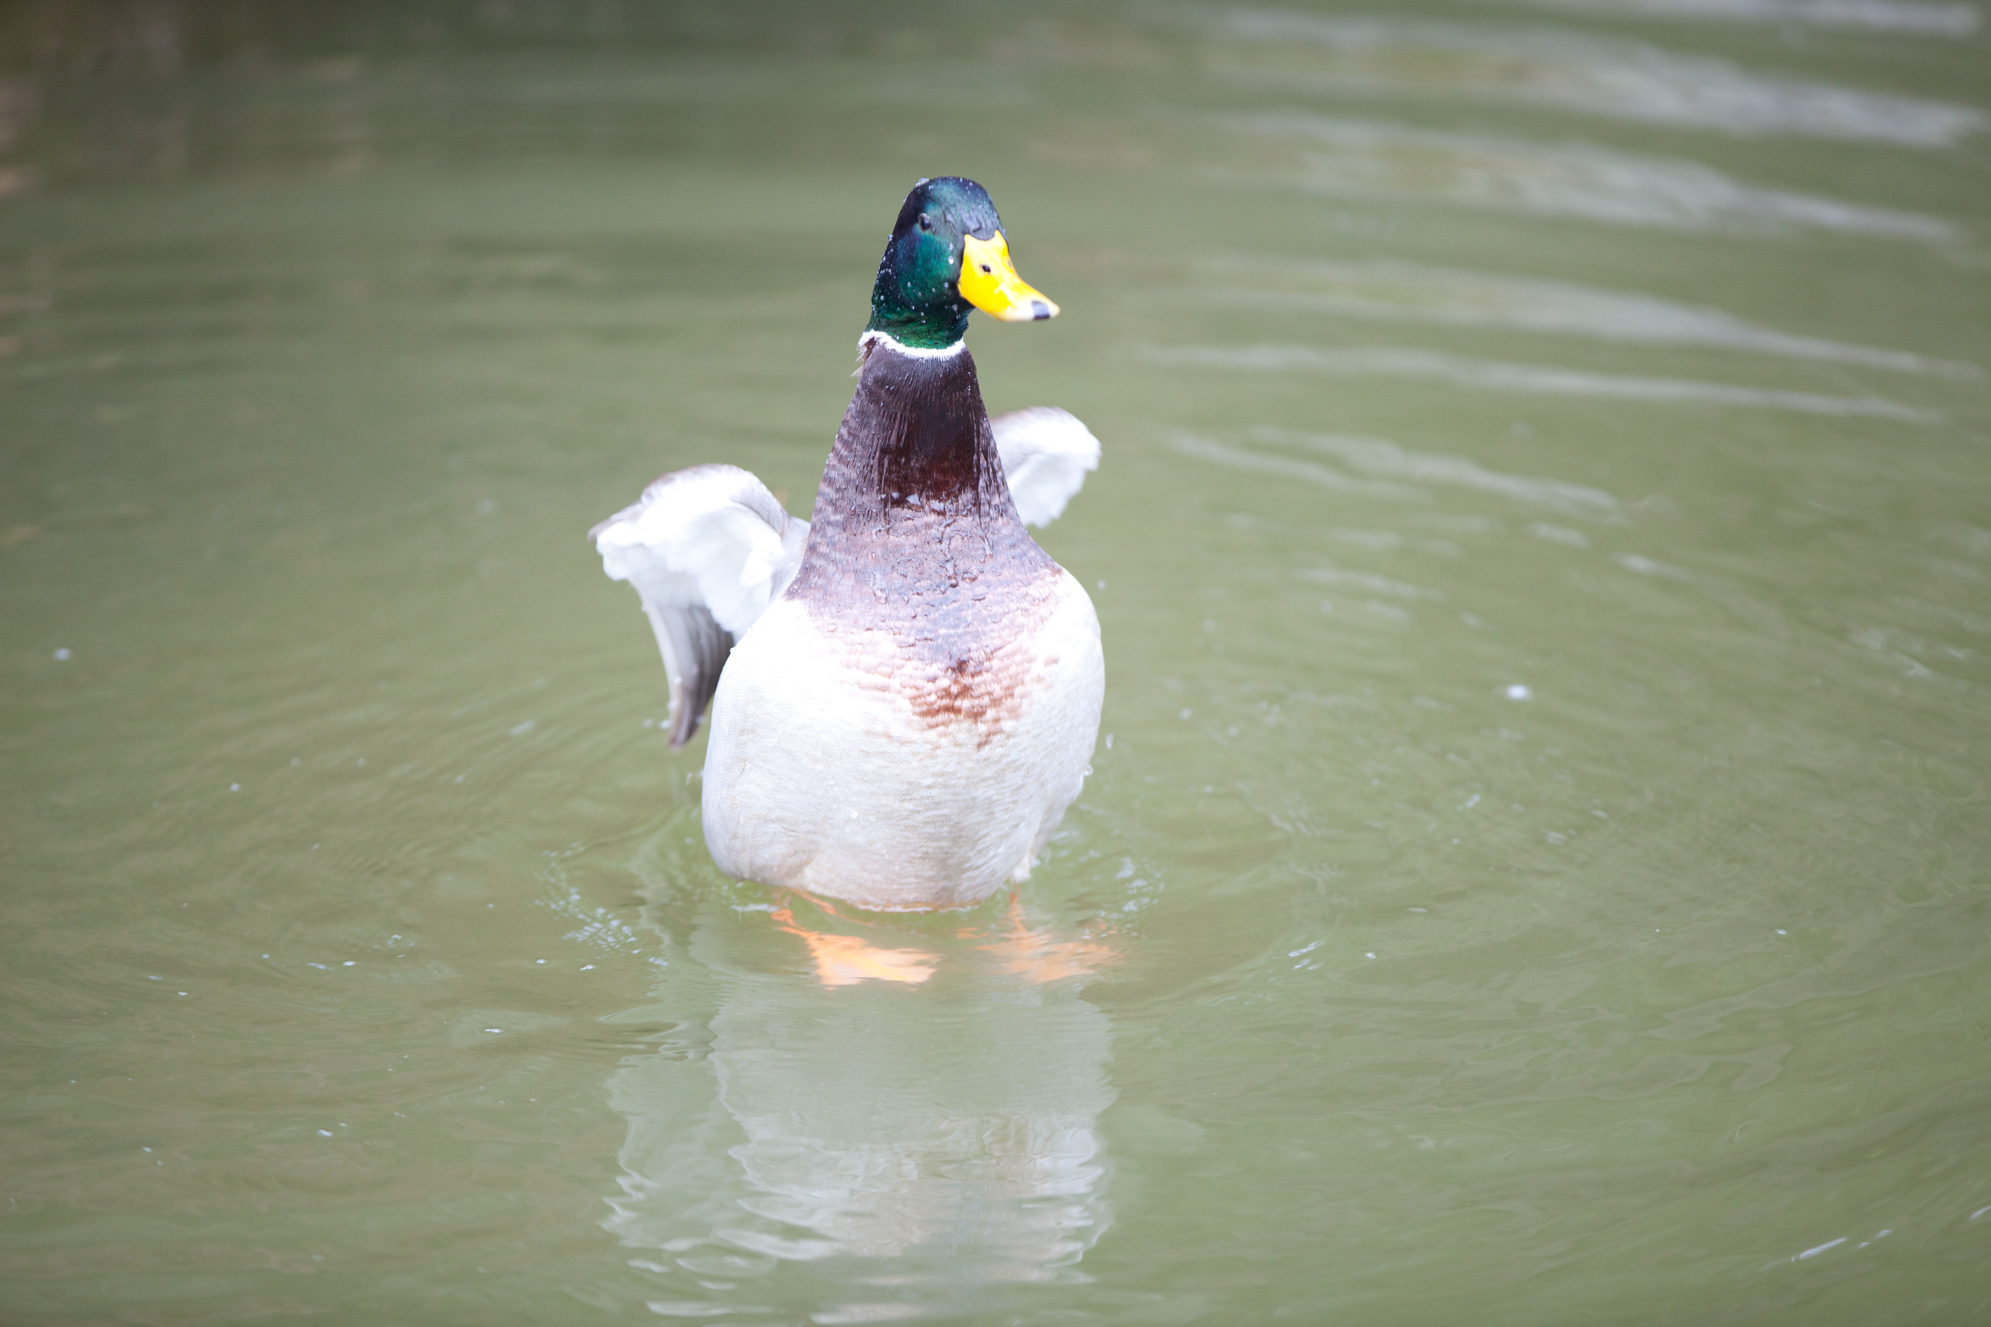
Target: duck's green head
947, 254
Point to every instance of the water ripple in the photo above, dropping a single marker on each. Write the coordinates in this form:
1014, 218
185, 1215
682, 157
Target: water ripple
1286, 467
1384, 461
1598, 76
1917, 17
1347, 158
1412, 292
1380, 457
1536, 379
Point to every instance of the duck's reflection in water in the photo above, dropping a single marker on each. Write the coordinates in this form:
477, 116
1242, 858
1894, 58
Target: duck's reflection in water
903, 1126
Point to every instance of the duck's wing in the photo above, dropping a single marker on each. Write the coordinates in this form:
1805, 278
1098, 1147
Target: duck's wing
1045, 455
708, 549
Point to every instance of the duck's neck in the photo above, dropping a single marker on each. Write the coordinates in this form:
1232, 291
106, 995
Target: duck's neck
916, 440
913, 491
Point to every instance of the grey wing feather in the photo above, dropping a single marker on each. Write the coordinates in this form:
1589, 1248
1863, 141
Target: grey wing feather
695, 648
708, 549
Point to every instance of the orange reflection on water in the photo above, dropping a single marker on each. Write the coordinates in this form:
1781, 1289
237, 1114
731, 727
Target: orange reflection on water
1022, 951
1041, 958
845, 960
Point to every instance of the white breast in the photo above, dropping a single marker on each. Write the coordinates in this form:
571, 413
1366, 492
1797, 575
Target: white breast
841, 764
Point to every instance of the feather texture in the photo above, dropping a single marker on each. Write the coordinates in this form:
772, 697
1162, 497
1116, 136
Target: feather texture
708, 549
1046, 454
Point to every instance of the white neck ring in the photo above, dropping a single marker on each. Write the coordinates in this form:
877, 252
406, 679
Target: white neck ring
916, 352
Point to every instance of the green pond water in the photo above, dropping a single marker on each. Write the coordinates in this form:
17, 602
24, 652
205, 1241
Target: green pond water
1535, 869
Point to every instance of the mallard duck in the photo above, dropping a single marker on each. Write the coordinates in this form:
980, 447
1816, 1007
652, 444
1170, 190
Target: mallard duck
905, 692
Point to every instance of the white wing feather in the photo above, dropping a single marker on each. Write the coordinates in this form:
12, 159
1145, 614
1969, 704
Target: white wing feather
1045, 456
708, 549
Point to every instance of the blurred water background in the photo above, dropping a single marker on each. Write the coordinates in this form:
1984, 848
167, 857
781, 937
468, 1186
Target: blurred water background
1537, 872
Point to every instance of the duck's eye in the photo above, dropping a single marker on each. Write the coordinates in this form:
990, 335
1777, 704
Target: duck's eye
925, 221
987, 268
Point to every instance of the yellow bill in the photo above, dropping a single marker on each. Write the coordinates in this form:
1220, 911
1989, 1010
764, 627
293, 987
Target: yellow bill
990, 283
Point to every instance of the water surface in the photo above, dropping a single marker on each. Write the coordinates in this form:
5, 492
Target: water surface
1535, 868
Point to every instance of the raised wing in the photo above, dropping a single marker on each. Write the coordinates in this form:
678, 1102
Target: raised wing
1045, 455
708, 549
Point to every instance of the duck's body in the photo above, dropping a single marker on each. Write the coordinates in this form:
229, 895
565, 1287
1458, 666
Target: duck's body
907, 724
912, 700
